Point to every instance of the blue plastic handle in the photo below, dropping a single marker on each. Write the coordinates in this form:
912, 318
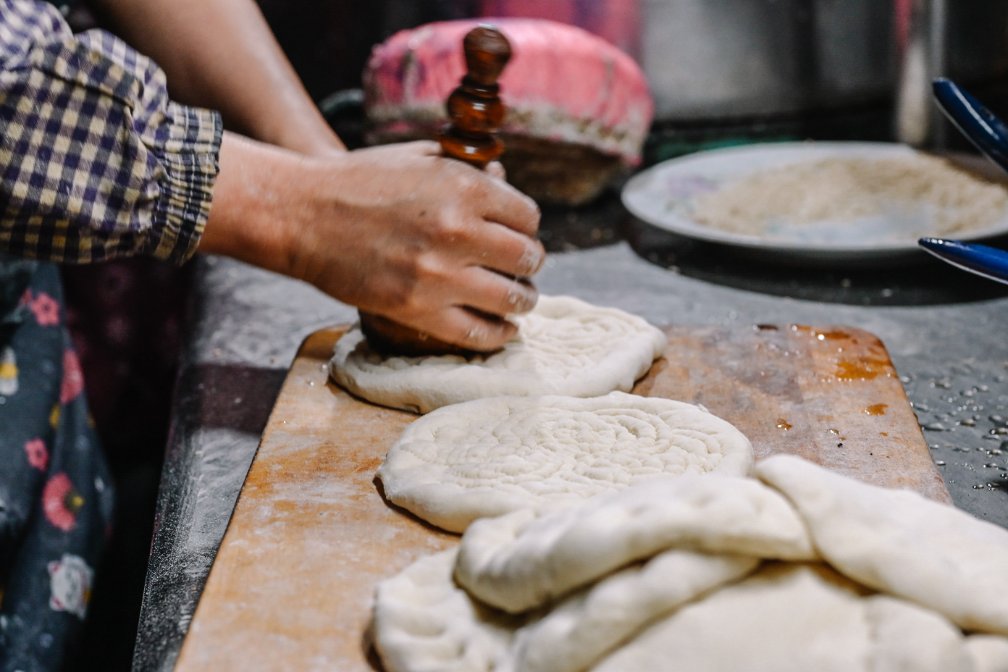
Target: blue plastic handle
976, 122
984, 260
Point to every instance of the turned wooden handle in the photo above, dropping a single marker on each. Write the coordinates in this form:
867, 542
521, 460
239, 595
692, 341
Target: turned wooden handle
475, 112
474, 108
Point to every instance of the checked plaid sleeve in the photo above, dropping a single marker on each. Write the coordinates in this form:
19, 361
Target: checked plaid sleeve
95, 161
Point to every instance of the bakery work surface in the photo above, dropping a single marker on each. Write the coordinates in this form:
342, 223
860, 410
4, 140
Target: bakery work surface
942, 331
311, 537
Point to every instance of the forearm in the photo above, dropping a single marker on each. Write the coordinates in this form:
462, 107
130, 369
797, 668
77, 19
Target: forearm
252, 203
221, 54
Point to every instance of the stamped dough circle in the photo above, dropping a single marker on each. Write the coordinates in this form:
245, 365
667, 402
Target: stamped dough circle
491, 456
564, 346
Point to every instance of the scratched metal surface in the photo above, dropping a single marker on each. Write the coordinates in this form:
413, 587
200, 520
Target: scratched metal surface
944, 332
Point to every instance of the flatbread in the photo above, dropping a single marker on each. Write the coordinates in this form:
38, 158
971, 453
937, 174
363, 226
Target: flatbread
580, 630
901, 543
520, 561
492, 456
794, 618
422, 622
565, 346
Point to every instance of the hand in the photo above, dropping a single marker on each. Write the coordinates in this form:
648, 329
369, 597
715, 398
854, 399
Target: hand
397, 230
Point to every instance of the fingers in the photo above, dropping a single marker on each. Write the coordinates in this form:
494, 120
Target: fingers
472, 329
501, 249
506, 205
514, 210
494, 294
423, 147
495, 169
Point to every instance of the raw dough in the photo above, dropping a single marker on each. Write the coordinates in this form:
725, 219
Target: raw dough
492, 456
988, 652
898, 542
422, 622
584, 627
794, 618
905, 637
564, 346
516, 562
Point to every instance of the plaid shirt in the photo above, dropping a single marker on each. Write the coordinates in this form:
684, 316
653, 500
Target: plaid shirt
95, 161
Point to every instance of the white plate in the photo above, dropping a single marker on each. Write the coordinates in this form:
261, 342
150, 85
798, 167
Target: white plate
663, 196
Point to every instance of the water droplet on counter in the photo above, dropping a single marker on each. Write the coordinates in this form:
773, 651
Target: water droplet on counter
968, 422
943, 384
940, 463
999, 431
935, 427
996, 418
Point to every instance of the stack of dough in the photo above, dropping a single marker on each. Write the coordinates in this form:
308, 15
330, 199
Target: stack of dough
802, 569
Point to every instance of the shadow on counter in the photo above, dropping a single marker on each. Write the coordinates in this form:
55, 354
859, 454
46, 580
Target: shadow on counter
917, 280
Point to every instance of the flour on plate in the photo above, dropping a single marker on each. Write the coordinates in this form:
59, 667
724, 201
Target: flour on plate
923, 194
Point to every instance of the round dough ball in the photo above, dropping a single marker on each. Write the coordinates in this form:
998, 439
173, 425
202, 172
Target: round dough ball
564, 346
488, 457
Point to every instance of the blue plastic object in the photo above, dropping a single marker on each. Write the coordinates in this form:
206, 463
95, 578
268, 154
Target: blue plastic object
990, 262
976, 122
990, 135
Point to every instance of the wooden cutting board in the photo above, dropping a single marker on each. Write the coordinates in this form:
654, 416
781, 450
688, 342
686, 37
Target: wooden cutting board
311, 535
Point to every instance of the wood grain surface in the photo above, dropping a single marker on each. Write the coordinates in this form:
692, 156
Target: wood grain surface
311, 535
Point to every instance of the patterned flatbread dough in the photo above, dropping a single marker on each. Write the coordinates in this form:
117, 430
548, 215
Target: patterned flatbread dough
565, 346
492, 456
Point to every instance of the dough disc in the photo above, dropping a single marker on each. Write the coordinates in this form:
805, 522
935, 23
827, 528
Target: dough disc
492, 456
564, 346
